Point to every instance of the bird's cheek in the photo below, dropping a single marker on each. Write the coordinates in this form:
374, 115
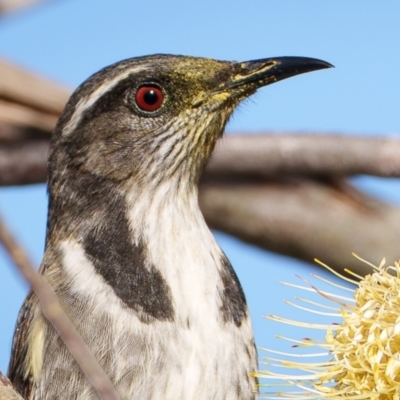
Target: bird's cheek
112, 159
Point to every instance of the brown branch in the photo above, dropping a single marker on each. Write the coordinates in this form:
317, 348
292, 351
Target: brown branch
7, 391
16, 134
20, 86
246, 156
23, 163
54, 313
306, 220
7, 6
21, 115
271, 155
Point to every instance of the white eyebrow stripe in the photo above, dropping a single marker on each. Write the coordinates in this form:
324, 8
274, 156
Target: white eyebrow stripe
89, 100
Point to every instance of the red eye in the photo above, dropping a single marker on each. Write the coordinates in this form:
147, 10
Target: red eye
149, 98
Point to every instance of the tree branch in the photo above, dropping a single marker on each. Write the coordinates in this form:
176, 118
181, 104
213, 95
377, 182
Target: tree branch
240, 157
306, 220
272, 155
16, 134
7, 6
21, 115
23, 163
20, 86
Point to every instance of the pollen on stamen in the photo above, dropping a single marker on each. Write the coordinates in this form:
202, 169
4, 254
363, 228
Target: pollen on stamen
360, 354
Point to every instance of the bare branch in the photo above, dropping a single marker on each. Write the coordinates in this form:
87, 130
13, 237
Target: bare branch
54, 313
23, 163
250, 156
306, 220
16, 134
7, 391
7, 6
20, 86
20, 115
272, 155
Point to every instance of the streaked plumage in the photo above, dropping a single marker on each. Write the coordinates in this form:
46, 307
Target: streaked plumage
127, 249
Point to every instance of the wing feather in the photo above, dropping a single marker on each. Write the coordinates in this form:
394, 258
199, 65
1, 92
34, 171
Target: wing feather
19, 372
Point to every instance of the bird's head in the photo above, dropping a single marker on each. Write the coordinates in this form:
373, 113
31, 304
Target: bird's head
159, 116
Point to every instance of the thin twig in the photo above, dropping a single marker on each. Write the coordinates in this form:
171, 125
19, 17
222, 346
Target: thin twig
54, 313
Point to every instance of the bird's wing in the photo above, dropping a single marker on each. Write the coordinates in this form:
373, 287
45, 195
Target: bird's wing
17, 372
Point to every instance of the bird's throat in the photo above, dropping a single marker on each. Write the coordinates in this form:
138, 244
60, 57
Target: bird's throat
154, 250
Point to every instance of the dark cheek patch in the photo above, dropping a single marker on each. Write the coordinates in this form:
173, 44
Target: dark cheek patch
122, 265
233, 300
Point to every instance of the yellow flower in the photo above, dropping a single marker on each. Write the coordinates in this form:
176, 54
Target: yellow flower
364, 349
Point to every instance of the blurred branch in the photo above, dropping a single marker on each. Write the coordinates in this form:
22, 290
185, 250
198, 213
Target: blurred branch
23, 163
240, 157
272, 155
20, 86
306, 219
54, 313
20, 115
7, 392
17, 134
7, 6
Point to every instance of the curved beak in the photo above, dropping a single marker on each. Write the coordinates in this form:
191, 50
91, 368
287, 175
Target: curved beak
241, 79
257, 73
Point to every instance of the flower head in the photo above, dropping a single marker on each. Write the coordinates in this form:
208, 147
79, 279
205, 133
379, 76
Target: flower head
364, 348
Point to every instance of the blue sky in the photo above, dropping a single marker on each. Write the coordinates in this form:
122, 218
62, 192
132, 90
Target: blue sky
69, 40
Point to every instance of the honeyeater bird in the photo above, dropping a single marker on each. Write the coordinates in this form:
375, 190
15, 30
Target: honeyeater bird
128, 252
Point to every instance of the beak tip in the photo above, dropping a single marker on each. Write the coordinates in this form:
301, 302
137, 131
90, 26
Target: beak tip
297, 65
314, 63
327, 65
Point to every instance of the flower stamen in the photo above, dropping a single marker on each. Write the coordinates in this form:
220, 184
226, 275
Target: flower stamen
364, 348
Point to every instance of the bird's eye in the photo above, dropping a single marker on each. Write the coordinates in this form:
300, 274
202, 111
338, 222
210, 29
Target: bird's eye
149, 98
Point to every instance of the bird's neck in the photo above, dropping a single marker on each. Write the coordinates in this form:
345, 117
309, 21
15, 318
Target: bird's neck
170, 207
82, 201
180, 246
153, 249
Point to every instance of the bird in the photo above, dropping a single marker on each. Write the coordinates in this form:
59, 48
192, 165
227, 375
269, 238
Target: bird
128, 251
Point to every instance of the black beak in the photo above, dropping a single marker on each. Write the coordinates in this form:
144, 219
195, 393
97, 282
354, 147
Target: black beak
256, 73
241, 79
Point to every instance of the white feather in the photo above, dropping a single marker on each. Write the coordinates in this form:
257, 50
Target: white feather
203, 361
